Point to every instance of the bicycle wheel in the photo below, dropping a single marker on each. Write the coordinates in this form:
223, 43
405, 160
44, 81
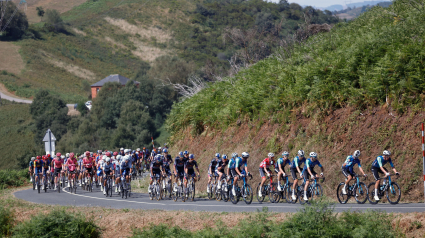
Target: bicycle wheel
317, 191
260, 199
38, 187
152, 193
234, 198
371, 193
218, 194
122, 191
33, 183
174, 194
273, 193
360, 193
393, 193
301, 196
193, 192
211, 193
158, 192
288, 192
225, 192
342, 198
248, 194
183, 194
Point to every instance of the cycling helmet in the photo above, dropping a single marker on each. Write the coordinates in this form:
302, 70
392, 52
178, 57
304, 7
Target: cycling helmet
285, 153
270, 155
99, 151
224, 157
107, 159
119, 157
356, 153
71, 155
133, 152
191, 156
181, 154
63, 157
32, 158
165, 151
245, 155
236, 155
160, 148
87, 153
39, 157
122, 149
217, 155
108, 154
313, 154
67, 155
138, 149
115, 153
104, 157
301, 153
186, 152
386, 152
144, 148
48, 155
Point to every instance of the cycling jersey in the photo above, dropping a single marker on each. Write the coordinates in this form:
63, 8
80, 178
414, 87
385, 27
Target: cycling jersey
190, 164
239, 163
107, 167
282, 163
167, 162
88, 162
58, 163
350, 162
213, 163
380, 162
221, 163
311, 164
232, 163
157, 164
72, 164
297, 162
125, 165
134, 158
80, 164
38, 163
179, 164
46, 163
266, 163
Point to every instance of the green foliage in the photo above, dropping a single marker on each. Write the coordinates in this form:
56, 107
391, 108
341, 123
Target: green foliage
7, 220
40, 12
18, 24
315, 220
58, 223
360, 63
13, 178
54, 21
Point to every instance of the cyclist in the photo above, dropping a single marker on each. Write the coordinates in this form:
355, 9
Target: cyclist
157, 169
240, 170
190, 171
125, 169
280, 167
72, 167
186, 156
38, 168
107, 169
81, 169
31, 168
88, 163
57, 164
121, 152
308, 171
378, 167
211, 169
159, 151
167, 161
296, 168
179, 168
347, 168
219, 168
46, 168
99, 172
117, 173
264, 167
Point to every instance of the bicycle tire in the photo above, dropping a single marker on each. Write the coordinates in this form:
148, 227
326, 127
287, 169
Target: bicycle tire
259, 199
38, 187
249, 194
225, 194
317, 191
234, 198
301, 196
218, 196
33, 185
288, 197
152, 193
211, 193
193, 192
342, 198
157, 192
371, 193
360, 192
274, 194
174, 195
396, 192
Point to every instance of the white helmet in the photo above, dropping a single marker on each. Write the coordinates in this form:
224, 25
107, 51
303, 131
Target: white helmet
126, 158
356, 153
32, 158
67, 155
62, 156
386, 152
104, 157
138, 149
107, 159
270, 155
245, 155
122, 149
313, 154
301, 152
119, 157
126, 151
285, 153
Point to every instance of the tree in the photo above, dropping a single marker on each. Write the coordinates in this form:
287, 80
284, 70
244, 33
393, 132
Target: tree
54, 21
18, 24
40, 12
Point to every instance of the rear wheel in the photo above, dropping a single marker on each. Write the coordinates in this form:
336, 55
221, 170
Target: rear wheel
260, 199
371, 193
342, 198
38, 187
288, 197
248, 194
193, 192
224, 192
360, 193
273, 193
393, 193
152, 193
234, 198
212, 192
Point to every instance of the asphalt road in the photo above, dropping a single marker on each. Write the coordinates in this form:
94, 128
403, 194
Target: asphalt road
142, 201
20, 100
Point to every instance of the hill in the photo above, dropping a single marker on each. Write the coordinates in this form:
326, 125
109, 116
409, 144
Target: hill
354, 10
359, 86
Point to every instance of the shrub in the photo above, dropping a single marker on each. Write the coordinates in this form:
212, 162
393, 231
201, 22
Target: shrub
6, 221
58, 223
13, 178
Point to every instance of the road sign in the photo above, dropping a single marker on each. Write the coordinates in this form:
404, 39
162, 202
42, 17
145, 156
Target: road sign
47, 135
49, 140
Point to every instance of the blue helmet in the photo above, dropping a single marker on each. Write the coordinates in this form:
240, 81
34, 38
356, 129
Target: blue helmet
181, 153
217, 155
165, 151
224, 157
191, 156
186, 152
133, 151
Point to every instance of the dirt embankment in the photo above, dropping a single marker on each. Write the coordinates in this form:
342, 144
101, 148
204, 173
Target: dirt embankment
332, 134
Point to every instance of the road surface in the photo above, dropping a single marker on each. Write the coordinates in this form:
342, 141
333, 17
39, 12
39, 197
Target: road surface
142, 201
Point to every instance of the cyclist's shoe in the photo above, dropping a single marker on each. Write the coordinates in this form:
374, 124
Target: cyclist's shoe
376, 198
208, 189
101, 188
56, 187
279, 188
31, 179
305, 198
233, 192
293, 197
119, 189
116, 189
36, 187
260, 194
149, 189
69, 185
225, 188
343, 191
104, 192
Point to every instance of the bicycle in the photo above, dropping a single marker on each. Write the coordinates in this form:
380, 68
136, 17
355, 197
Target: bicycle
58, 179
125, 187
391, 189
267, 189
314, 190
155, 188
358, 190
285, 191
88, 185
166, 186
222, 192
38, 183
108, 187
178, 189
213, 187
73, 182
190, 190
246, 192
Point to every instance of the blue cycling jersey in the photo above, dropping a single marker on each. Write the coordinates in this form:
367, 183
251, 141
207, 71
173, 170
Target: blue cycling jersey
350, 162
297, 162
311, 164
125, 165
232, 163
380, 161
282, 163
240, 163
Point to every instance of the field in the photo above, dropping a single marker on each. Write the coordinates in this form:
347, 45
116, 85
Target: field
10, 59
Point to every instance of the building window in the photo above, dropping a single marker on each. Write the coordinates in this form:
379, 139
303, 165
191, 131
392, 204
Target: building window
97, 90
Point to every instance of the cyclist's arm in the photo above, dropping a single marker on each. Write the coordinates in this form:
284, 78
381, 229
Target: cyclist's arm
237, 171
246, 170
298, 168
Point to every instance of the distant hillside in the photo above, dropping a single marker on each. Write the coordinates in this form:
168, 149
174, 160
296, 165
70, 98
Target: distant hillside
353, 12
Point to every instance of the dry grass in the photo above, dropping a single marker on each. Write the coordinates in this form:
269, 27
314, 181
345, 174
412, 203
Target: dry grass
79, 32
10, 59
59, 5
146, 52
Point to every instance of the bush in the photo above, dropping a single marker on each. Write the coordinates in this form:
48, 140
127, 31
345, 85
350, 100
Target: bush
6, 221
58, 223
13, 178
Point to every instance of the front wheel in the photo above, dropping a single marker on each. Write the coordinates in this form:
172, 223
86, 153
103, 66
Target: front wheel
317, 191
212, 192
158, 192
342, 198
360, 193
248, 194
301, 196
288, 194
260, 198
371, 193
393, 193
274, 194
234, 198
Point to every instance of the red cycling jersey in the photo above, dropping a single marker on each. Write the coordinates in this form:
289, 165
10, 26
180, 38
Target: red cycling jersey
88, 162
266, 163
72, 164
58, 163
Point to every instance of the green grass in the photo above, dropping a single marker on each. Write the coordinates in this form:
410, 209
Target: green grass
13, 178
358, 63
6, 221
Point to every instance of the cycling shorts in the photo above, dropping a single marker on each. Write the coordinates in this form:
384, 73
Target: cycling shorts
57, 171
190, 173
99, 172
219, 171
377, 171
108, 172
262, 174
167, 172
348, 171
294, 172
155, 172
180, 173
89, 170
233, 173
38, 170
307, 176
125, 172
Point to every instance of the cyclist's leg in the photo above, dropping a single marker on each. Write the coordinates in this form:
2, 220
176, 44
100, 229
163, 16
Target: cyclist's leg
263, 177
